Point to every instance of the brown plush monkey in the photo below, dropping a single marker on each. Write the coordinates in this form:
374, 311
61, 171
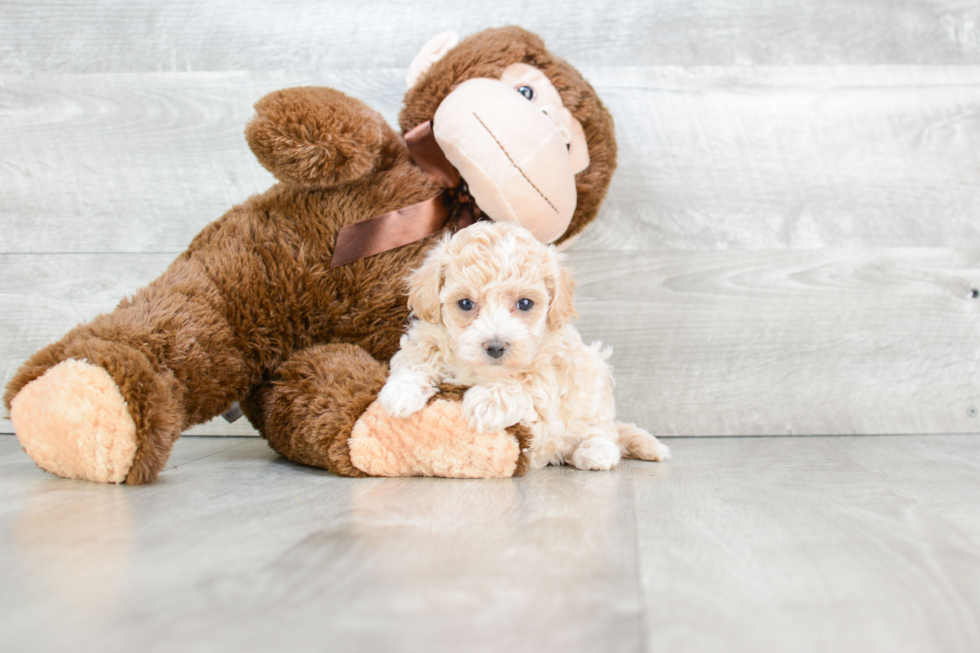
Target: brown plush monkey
254, 312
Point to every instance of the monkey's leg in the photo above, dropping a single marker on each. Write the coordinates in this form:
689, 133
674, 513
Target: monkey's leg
321, 402
107, 401
308, 408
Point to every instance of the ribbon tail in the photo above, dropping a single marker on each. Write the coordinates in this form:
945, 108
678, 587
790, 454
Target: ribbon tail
466, 217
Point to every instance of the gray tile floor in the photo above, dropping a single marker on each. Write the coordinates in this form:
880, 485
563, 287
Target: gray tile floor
738, 544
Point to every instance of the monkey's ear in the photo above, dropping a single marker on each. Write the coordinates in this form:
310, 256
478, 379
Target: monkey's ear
425, 283
561, 309
430, 53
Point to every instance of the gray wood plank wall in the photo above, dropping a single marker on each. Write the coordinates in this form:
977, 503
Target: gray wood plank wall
790, 246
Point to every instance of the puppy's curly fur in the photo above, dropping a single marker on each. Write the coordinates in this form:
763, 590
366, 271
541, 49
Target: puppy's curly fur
492, 308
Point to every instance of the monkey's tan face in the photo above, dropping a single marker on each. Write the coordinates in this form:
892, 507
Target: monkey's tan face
517, 146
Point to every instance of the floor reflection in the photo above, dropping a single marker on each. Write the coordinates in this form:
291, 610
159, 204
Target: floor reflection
74, 540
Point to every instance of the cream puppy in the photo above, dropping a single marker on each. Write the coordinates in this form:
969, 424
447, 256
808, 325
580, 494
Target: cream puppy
492, 308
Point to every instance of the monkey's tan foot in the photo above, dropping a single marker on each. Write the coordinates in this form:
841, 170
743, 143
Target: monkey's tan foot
74, 422
435, 441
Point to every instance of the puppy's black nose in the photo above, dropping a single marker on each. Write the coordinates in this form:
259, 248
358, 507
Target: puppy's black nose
495, 348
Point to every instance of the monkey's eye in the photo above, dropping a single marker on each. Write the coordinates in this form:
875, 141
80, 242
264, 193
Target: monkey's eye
525, 304
465, 304
526, 91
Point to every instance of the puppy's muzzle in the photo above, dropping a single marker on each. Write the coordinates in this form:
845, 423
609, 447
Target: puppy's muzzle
495, 348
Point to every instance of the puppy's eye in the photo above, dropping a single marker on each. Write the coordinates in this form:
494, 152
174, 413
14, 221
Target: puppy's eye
526, 91
525, 304
465, 304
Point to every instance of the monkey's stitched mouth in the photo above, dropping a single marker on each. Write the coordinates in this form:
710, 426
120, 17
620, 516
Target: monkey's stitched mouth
513, 163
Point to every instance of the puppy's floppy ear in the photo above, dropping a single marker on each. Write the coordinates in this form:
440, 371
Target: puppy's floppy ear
425, 283
561, 309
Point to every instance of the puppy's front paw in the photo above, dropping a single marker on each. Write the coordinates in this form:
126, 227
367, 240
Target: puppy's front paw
483, 410
597, 454
490, 409
405, 394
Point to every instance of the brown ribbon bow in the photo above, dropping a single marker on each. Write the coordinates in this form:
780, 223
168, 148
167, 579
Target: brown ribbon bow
411, 223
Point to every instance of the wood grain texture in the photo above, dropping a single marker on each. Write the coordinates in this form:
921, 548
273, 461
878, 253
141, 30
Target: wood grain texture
800, 158
710, 158
743, 545
706, 343
811, 545
136, 162
143, 36
275, 556
789, 342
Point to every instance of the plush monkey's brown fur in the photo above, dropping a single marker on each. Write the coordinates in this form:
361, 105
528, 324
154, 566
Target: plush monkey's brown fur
252, 310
